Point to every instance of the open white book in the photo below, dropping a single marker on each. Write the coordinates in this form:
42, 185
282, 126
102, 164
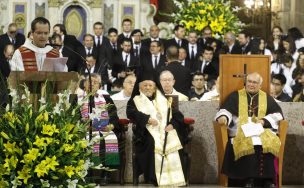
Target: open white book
55, 64
252, 129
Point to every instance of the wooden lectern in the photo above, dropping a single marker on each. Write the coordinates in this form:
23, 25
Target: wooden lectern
233, 72
56, 82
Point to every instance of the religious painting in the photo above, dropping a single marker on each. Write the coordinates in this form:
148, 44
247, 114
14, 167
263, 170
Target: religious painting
128, 11
20, 11
74, 19
40, 10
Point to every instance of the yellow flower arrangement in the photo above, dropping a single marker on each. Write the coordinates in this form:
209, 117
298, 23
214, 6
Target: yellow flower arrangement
217, 14
43, 147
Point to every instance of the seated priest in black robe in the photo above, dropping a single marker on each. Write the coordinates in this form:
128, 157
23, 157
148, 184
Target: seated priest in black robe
251, 158
148, 109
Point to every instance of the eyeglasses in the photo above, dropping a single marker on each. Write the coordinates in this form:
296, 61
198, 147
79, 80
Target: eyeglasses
12, 32
166, 80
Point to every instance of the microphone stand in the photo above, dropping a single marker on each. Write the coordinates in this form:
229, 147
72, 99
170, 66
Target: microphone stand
91, 97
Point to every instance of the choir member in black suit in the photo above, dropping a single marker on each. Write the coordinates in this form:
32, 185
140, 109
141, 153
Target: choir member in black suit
74, 61
68, 40
137, 47
244, 40
113, 36
154, 36
206, 33
181, 74
231, 46
179, 39
154, 61
124, 62
194, 49
12, 36
183, 58
126, 30
207, 66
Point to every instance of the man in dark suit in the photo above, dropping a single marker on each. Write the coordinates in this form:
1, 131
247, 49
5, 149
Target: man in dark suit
231, 46
194, 49
154, 61
137, 47
124, 63
278, 81
206, 33
154, 36
113, 36
126, 30
181, 74
4, 73
209, 68
183, 58
179, 39
244, 40
74, 61
68, 40
11, 37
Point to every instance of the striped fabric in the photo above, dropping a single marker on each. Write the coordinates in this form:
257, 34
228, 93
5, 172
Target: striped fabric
109, 155
29, 58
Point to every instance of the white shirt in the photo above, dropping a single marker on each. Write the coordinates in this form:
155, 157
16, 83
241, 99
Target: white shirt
120, 96
194, 49
204, 64
299, 43
124, 57
96, 39
40, 53
153, 59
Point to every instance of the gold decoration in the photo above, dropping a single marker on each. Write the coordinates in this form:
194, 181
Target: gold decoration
73, 23
56, 3
94, 3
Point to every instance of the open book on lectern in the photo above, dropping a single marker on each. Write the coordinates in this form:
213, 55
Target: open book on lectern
55, 64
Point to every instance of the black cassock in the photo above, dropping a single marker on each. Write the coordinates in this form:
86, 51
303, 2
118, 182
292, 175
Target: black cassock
144, 142
257, 165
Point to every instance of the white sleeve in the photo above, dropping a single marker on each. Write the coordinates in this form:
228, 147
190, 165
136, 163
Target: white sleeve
226, 113
16, 63
274, 119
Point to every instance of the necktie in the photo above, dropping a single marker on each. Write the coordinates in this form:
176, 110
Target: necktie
98, 41
136, 51
126, 59
127, 36
192, 52
89, 51
155, 61
114, 46
179, 43
13, 41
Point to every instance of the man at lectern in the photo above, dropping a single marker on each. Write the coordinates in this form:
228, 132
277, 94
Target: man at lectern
252, 118
30, 56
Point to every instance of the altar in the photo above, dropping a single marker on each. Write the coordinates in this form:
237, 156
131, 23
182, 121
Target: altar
204, 157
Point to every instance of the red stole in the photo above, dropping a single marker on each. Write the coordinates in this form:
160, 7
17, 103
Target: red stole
29, 58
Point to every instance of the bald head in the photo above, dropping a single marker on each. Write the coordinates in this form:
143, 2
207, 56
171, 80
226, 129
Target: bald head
253, 82
154, 31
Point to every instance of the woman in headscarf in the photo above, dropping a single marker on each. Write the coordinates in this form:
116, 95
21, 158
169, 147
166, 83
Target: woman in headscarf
153, 115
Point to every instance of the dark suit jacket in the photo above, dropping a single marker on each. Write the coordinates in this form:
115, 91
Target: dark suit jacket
146, 64
212, 69
72, 42
182, 76
121, 37
75, 62
172, 42
119, 64
4, 40
236, 49
146, 42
